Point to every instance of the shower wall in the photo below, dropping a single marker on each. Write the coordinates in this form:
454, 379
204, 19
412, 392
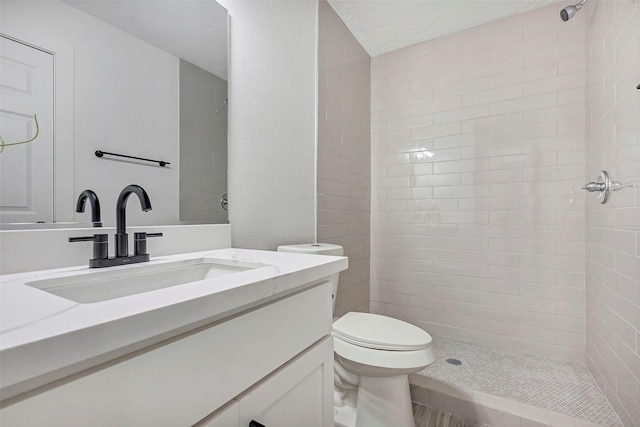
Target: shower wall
478, 220
613, 229
344, 159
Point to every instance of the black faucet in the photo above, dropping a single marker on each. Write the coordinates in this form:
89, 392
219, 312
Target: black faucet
122, 240
95, 206
100, 250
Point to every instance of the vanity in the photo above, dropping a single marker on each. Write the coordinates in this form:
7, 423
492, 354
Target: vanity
226, 337
200, 335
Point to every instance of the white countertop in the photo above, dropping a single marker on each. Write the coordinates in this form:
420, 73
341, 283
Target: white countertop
44, 337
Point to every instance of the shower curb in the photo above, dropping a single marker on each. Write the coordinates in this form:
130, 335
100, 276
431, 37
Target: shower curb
486, 408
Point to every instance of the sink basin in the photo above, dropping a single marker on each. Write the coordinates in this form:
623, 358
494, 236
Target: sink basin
103, 285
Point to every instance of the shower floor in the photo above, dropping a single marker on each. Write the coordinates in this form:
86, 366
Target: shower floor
554, 386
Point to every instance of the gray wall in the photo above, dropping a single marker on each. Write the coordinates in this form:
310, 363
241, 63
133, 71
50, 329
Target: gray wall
203, 145
344, 155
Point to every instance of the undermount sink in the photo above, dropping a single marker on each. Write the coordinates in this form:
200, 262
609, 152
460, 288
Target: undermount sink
97, 286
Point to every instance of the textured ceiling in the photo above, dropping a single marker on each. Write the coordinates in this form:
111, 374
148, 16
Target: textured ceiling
383, 26
194, 30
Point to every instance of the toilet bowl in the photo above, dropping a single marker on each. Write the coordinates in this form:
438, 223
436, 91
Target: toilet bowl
373, 356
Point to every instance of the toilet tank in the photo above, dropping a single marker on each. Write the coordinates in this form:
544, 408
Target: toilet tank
319, 249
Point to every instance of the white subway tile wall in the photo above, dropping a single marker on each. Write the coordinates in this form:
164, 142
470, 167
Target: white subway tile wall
478, 220
613, 229
344, 155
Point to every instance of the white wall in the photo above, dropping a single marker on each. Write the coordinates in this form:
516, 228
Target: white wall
125, 100
272, 122
32, 250
613, 229
344, 155
478, 159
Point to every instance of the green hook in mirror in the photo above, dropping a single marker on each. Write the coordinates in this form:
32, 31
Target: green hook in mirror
4, 144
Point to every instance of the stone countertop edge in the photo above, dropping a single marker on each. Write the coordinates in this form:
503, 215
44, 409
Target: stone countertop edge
44, 337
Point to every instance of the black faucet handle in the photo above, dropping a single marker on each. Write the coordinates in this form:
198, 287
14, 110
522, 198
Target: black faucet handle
140, 242
82, 239
100, 244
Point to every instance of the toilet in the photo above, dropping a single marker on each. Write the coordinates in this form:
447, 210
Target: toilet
373, 356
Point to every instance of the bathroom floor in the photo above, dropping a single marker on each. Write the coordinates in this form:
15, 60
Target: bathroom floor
425, 416
555, 385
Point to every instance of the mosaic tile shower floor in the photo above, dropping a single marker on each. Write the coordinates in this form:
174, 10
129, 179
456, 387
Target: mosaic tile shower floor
551, 384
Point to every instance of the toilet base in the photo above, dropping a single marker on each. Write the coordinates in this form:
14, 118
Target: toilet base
381, 402
344, 416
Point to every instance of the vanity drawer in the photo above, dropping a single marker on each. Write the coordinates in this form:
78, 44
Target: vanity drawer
180, 381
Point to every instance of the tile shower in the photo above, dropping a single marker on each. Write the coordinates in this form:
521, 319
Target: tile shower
480, 231
478, 216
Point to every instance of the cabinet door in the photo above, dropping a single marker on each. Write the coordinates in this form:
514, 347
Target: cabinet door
298, 394
227, 416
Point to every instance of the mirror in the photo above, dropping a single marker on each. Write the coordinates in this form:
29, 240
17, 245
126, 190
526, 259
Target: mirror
143, 78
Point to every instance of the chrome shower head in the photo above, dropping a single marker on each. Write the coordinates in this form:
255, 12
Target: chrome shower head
569, 11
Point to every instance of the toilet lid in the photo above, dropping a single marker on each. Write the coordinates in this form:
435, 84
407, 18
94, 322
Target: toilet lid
379, 332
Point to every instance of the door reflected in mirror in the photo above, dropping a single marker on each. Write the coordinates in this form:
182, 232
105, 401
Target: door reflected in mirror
140, 78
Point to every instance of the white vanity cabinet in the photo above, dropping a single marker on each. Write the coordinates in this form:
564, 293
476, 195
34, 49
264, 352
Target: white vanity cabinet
296, 395
293, 396
227, 416
272, 363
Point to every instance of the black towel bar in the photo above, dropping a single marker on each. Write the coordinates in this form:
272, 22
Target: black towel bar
162, 163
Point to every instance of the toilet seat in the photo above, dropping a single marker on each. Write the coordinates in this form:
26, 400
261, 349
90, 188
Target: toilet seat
380, 332
366, 361
374, 345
